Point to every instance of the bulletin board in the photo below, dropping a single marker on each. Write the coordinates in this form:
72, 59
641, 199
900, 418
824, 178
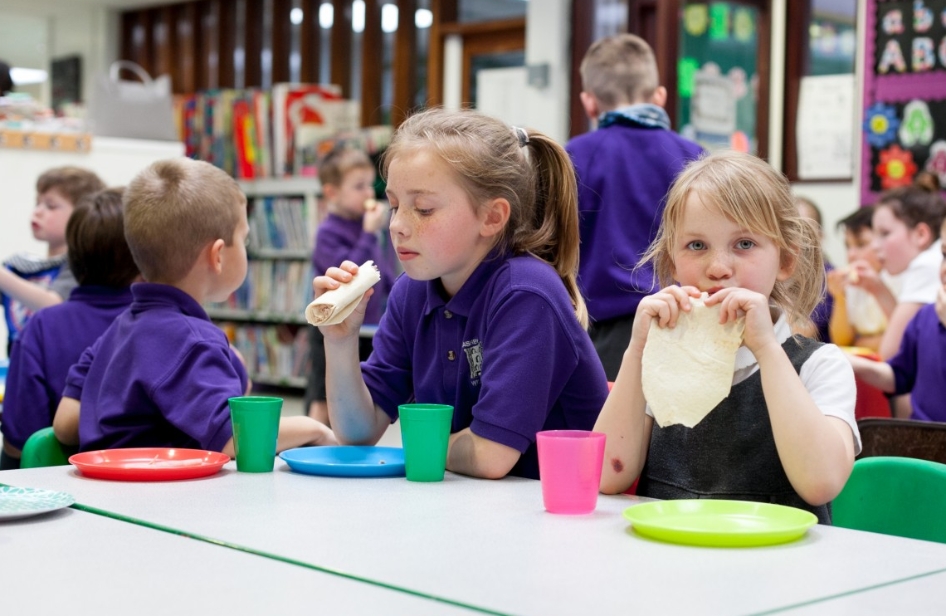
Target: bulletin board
904, 128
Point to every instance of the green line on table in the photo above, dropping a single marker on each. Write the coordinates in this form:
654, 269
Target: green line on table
291, 561
855, 591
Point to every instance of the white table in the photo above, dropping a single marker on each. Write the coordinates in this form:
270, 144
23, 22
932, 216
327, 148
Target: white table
490, 544
919, 596
72, 562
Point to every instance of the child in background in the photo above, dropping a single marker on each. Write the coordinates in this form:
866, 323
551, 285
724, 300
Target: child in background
906, 223
821, 316
161, 374
488, 317
350, 231
55, 337
624, 168
862, 297
917, 368
786, 433
27, 282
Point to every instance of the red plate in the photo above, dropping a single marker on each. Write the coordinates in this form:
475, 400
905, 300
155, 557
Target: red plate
149, 463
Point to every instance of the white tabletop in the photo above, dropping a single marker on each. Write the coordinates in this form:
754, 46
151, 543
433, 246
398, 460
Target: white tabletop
72, 562
490, 544
919, 596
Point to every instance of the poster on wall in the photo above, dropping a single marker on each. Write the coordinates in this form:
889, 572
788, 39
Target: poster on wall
904, 128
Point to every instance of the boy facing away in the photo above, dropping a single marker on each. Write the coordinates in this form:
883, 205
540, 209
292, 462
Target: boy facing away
55, 337
28, 282
350, 231
624, 168
162, 373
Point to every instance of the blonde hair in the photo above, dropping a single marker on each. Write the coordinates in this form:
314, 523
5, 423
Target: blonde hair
619, 70
531, 171
340, 161
173, 209
750, 192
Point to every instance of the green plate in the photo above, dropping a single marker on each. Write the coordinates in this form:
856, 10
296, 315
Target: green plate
719, 523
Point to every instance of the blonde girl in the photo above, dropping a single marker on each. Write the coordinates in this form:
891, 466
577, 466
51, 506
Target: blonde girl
786, 432
488, 318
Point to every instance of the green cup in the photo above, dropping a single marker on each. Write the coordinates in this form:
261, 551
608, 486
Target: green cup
425, 434
255, 430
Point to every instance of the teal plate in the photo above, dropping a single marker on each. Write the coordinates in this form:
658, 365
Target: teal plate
16, 503
719, 523
346, 461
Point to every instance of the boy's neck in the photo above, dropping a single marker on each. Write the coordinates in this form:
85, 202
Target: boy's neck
334, 208
54, 250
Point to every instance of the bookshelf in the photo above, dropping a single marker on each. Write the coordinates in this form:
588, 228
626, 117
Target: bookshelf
264, 318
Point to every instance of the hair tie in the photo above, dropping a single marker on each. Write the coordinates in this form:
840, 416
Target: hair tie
522, 135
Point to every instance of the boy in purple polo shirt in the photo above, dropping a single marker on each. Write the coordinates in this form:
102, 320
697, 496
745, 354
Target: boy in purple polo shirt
55, 337
918, 367
161, 374
350, 231
625, 168
488, 317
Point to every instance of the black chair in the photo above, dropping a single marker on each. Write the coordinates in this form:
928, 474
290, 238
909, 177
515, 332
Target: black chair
907, 438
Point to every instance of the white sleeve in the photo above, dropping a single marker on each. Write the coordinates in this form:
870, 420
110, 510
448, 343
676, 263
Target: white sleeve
921, 281
829, 378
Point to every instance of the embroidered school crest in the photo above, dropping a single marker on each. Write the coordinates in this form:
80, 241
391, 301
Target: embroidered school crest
474, 357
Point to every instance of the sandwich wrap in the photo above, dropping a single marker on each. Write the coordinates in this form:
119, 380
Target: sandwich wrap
333, 307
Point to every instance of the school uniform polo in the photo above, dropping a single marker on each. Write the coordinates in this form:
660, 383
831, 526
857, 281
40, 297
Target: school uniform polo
506, 351
339, 239
919, 367
624, 173
159, 376
53, 340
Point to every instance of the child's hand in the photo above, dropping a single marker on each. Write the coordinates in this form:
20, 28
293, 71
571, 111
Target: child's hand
736, 302
323, 435
665, 307
838, 280
862, 275
941, 305
330, 281
374, 217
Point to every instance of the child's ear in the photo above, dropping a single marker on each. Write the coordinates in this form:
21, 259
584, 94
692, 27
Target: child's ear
924, 235
659, 97
788, 262
590, 105
495, 218
330, 192
215, 256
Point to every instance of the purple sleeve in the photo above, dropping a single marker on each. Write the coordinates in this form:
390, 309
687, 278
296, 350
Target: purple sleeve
904, 363
331, 248
388, 372
79, 371
519, 390
28, 405
194, 394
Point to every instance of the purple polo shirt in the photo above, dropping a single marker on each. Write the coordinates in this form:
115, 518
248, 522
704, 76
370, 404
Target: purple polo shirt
338, 239
506, 351
52, 341
624, 174
160, 376
919, 367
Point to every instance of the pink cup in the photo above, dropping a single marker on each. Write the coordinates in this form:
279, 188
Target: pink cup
570, 469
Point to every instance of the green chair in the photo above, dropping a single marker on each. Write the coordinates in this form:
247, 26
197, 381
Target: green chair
895, 496
43, 449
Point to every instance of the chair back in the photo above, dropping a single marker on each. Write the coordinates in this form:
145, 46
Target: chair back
907, 438
43, 449
895, 496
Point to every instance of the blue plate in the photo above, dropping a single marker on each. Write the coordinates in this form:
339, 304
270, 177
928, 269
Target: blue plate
346, 461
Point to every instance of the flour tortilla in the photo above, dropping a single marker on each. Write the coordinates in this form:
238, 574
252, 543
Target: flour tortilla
688, 370
333, 307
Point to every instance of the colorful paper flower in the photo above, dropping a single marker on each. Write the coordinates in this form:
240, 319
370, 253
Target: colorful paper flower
881, 124
917, 124
896, 167
936, 163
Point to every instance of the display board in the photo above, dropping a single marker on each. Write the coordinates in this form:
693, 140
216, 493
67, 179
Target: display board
904, 127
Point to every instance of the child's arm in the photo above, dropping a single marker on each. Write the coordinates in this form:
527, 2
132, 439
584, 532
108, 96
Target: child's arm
869, 279
878, 374
295, 432
896, 325
66, 421
816, 451
475, 456
839, 327
623, 419
30, 294
353, 415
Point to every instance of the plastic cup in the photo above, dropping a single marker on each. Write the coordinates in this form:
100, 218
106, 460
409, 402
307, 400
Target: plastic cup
255, 430
425, 435
570, 469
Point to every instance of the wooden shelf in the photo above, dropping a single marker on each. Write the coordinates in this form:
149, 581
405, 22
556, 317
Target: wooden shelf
301, 254
232, 314
274, 187
296, 382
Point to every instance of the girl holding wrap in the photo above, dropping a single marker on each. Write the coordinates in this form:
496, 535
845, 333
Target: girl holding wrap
488, 317
785, 433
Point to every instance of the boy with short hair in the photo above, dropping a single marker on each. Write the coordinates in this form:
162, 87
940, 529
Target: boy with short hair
350, 231
28, 282
161, 375
917, 368
624, 168
55, 337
